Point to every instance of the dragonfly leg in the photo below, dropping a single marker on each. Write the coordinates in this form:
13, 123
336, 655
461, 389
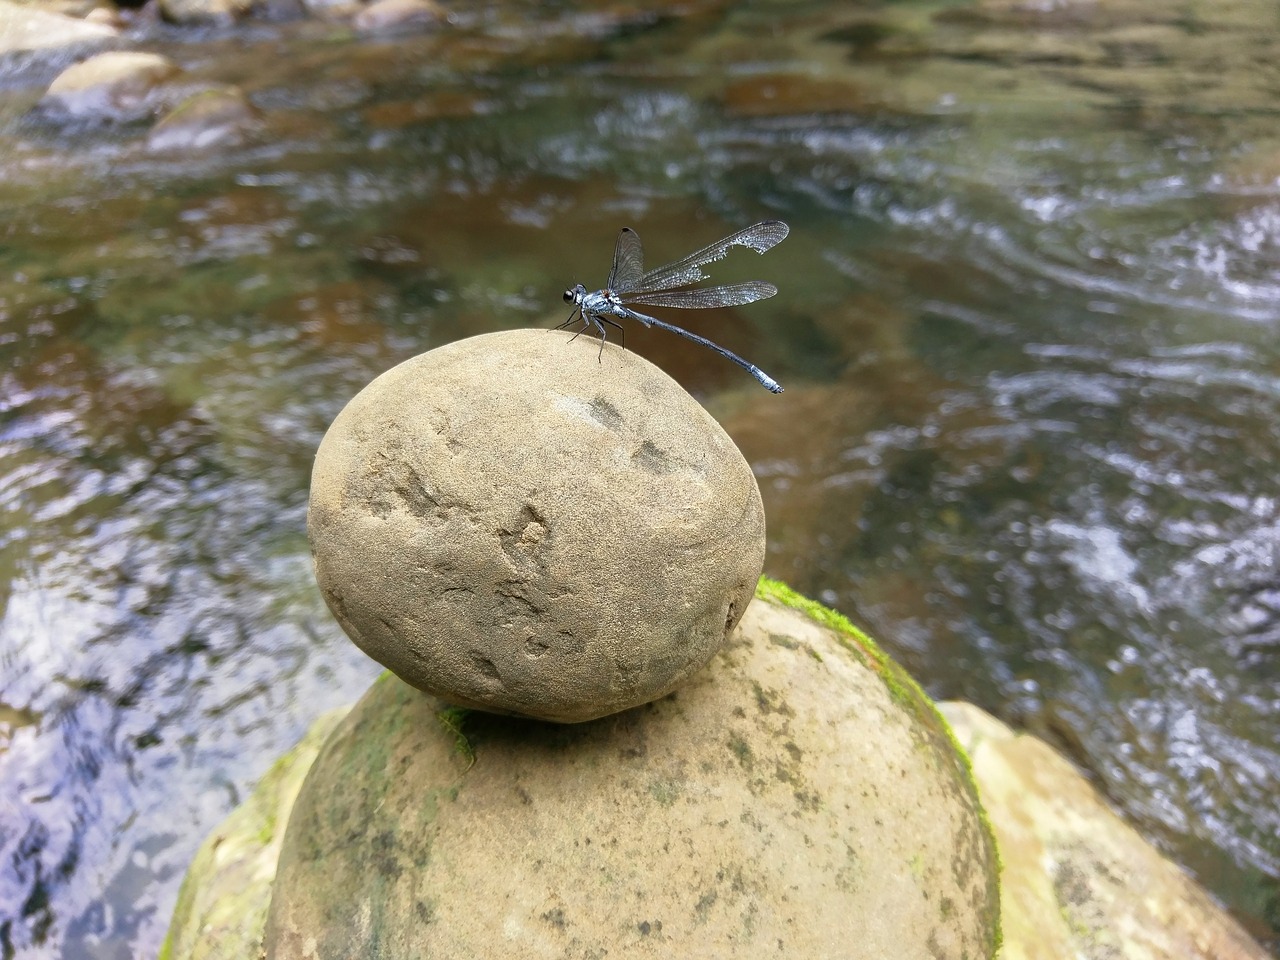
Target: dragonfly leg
622, 333
600, 320
573, 316
587, 323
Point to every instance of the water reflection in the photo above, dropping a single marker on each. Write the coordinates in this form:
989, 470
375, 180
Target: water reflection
158, 626
1028, 342
1065, 506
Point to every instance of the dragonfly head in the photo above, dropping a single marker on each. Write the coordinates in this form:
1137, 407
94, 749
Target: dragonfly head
575, 293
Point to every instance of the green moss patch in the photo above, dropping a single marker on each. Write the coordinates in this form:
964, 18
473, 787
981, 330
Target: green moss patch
902, 689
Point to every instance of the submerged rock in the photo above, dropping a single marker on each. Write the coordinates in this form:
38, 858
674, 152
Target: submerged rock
119, 86
1077, 880
513, 524
332, 9
211, 118
278, 11
799, 798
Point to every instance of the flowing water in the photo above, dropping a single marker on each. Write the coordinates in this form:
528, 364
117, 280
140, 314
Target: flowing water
1027, 330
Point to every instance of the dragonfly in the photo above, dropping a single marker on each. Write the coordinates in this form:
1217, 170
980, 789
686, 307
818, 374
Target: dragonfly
629, 286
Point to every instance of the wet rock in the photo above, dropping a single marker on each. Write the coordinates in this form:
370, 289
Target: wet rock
222, 906
118, 87
106, 16
211, 118
800, 798
208, 12
513, 524
399, 16
333, 9
1077, 880
278, 11
34, 40
782, 95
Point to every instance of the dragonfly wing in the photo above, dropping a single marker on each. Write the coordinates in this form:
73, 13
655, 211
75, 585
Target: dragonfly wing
760, 237
628, 261
703, 298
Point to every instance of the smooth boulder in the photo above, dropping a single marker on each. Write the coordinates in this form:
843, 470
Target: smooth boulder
393, 17
212, 118
799, 798
118, 87
34, 40
205, 12
520, 523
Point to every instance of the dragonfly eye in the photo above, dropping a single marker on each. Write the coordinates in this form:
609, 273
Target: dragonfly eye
568, 296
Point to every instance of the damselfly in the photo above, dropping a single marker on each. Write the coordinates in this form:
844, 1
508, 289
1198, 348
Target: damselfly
628, 284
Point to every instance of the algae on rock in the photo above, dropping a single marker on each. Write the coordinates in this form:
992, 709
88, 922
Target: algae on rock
1078, 881
222, 906
799, 794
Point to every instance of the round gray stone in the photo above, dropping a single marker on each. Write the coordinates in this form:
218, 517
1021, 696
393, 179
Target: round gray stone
513, 525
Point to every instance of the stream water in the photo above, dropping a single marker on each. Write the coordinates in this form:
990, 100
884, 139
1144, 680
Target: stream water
1027, 329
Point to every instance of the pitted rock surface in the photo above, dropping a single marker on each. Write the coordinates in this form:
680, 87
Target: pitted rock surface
511, 524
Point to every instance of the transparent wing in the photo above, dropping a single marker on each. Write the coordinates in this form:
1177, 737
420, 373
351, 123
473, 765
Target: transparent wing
760, 237
628, 260
702, 298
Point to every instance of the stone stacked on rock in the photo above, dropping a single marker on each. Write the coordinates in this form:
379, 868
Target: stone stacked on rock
516, 523
521, 523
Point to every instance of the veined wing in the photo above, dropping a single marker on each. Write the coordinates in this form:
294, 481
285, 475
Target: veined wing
703, 298
760, 237
628, 259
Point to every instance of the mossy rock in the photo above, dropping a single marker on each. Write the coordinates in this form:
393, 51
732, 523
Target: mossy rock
800, 797
222, 905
